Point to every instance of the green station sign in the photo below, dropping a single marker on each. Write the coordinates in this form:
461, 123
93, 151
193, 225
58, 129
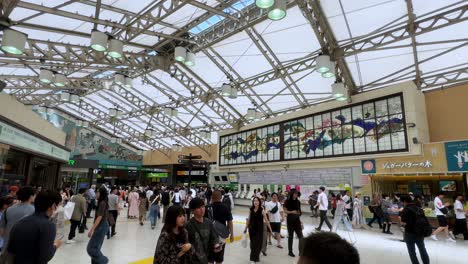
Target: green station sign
157, 175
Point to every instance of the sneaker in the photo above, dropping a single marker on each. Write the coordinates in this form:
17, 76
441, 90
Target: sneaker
434, 237
70, 241
279, 246
291, 254
452, 235
317, 229
450, 240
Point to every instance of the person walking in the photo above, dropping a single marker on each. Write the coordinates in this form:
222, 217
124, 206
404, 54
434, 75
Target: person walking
313, 198
322, 205
333, 204
386, 203
348, 204
201, 233
376, 209
114, 209
292, 208
441, 210
165, 201
79, 212
358, 215
409, 218
341, 215
460, 218
100, 228
254, 225
186, 203
173, 246
133, 202
154, 208
33, 237
143, 206
91, 200
276, 216
221, 214
176, 200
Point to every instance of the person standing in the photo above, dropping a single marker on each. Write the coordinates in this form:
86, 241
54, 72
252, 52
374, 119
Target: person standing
460, 221
91, 199
5, 202
409, 217
341, 215
208, 194
441, 210
114, 208
79, 212
358, 215
173, 246
201, 233
275, 210
133, 202
348, 203
292, 208
165, 201
16, 212
313, 198
186, 204
222, 214
33, 237
322, 204
176, 200
154, 208
99, 229
386, 203
376, 209
255, 222
143, 205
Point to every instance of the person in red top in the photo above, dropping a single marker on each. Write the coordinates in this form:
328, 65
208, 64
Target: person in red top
333, 203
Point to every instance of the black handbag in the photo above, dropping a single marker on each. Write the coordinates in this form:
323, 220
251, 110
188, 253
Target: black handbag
444, 210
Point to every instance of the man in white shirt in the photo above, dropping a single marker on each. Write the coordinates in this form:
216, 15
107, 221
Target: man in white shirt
149, 193
441, 210
347, 201
322, 204
275, 210
460, 221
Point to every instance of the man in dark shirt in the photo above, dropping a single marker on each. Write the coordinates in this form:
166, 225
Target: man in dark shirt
201, 234
408, 219
222, 214
35, 234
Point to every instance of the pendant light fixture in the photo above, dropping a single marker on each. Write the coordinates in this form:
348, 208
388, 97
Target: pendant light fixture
180, 54
115, 48
172, 112
342, 98
112, 112
74, 98
177, 147
338, 89
228, 91
79, 123
251, 114
98, 40
85, 124
264, 3
128, 82
331, 72
148, 132
64, 97
60, 80
278, 11
322, 63
119, 79
205, 134
46, 76
13, 42
190, 59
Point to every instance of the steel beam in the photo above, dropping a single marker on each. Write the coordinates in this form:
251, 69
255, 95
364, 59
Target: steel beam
411, 29
7, 6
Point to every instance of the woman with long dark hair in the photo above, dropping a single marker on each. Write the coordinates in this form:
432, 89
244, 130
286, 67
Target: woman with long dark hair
292, 208
143, 205
173, 246
154, 208
99, 229
257, 218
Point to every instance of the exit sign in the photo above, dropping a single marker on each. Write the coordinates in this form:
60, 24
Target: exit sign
71, 162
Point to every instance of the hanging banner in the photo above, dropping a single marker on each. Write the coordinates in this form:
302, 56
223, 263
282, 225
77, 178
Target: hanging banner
457, 155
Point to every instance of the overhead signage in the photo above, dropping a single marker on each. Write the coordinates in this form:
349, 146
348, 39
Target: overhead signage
18, 138
189, 157
194, 172
157, 175
411, 164
82, 163
457, 155
232, 177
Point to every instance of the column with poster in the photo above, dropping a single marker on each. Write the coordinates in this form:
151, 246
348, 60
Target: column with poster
457, 156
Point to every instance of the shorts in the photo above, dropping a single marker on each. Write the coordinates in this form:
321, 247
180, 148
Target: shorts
275, 227
442, 220
217, 256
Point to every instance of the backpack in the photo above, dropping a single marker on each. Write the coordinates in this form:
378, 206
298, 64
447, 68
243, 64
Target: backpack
227, 201
422, 227
221, 230
165, 198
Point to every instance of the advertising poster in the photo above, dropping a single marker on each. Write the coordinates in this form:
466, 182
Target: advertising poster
457, 155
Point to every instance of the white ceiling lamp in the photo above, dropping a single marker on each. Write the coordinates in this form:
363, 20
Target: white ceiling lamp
50, 111
128, 82
190, 59
41, 109
46, 76
98, 40
115, 48
74, 98
177, 147
264, 3
119, 79
331, 72
251, 114
154, 133
60, 80
258, 115
343, 98
148, 132
112, 112
79, 123
205, 134
180, 54
322, 63
13, 42
278, 11
172, 112
228, 91
64, 97
338, 89
85, 124
119, 113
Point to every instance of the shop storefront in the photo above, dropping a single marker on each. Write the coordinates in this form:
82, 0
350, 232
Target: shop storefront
27, 158
78, 173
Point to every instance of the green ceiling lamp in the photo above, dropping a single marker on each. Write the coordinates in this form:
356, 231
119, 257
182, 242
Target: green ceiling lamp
264, 3
13, 41
278, 11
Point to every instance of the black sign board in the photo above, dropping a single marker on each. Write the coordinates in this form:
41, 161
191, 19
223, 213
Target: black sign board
189, 157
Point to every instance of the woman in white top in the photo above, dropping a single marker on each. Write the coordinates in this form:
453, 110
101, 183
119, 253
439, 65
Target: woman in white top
441, 211
358, 216
460, 221
341, 215
176, 197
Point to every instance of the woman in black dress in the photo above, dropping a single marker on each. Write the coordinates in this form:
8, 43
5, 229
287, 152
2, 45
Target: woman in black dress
257, 218
292, 207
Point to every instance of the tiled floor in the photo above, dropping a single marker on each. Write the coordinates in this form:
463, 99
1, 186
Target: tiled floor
134, 242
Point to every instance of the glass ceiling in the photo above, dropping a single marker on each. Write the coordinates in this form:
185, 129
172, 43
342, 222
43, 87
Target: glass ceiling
251, 59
